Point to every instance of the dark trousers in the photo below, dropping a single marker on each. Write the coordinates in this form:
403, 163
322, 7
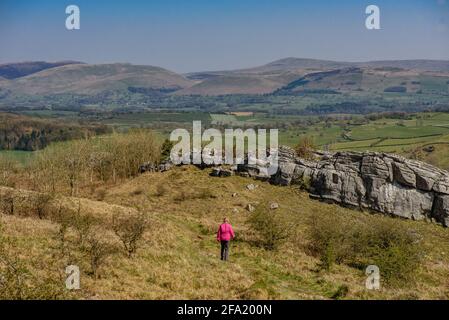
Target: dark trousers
224, 250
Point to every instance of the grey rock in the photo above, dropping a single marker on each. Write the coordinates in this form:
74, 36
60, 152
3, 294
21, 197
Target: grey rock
221, 172
404, 175
274, 205
442, 185
251, 187
250, 207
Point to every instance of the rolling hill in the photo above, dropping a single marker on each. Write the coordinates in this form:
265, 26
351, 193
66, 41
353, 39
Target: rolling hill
321, 76
290, 76
92, 79
368, 79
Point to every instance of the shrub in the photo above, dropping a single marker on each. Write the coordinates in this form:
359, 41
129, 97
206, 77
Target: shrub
329, 240
89, 243
7, 203
98, 250
271, 230
82, 223
129, 229
394, 249
305, 148
40, 204
380, 241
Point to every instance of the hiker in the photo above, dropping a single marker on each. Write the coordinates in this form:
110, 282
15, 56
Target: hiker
224, 235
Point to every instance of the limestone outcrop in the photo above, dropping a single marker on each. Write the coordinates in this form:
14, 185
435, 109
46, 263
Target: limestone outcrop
381, 182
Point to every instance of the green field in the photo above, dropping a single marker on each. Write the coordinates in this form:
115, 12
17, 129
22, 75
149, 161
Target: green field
20, 156
151, 118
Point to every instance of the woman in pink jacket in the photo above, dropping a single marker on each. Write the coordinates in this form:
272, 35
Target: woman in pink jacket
224, 235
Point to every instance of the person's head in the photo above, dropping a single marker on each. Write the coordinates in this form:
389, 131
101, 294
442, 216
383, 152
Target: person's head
225, 220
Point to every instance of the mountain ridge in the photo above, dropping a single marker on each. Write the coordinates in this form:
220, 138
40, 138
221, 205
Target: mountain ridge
73, 77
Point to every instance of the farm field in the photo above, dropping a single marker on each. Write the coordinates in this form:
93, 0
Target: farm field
139, 119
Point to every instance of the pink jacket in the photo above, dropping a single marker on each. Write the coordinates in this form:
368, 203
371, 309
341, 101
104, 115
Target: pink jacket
225, 232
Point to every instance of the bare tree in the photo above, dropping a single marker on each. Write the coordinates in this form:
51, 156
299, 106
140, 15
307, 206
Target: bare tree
130, 229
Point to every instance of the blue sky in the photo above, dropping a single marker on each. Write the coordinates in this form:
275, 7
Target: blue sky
194, 35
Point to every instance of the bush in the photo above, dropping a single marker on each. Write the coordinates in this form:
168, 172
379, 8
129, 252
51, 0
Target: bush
88, 242
305, 148
271, 230
98, 250
129, 229
394, 249
82, 223
380, 241
40, 204
7, 203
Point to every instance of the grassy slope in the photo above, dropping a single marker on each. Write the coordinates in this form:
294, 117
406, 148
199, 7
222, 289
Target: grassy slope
179, 256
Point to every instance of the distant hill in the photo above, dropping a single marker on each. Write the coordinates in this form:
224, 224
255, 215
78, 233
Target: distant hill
92, 79
285, 76
369, 80
22, 69
377, 76
419, 65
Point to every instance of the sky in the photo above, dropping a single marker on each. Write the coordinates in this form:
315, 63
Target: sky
199, 35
